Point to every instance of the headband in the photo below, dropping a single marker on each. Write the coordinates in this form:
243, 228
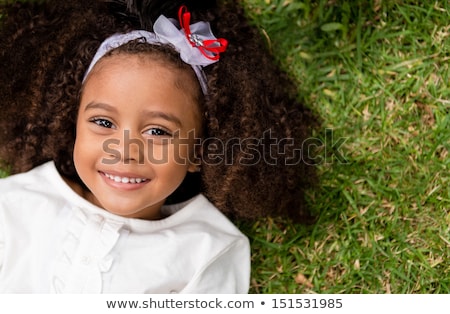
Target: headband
196, 43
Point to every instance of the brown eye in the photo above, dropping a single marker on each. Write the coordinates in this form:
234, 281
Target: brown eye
104, 123
157, 132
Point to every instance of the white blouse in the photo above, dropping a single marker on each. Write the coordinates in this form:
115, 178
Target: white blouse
54, 241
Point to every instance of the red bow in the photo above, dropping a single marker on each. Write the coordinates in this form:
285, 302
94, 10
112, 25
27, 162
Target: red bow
210, 48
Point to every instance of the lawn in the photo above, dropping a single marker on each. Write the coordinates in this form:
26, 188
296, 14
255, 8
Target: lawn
377, 73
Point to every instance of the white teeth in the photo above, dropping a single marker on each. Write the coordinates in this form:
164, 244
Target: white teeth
124, 179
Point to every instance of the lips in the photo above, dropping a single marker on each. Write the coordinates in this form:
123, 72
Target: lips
124, 179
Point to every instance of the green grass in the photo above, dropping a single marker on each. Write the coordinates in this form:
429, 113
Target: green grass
377, 72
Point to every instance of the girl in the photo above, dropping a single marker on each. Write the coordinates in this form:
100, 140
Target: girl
133, 139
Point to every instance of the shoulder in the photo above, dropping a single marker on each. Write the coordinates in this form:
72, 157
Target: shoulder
200, 212
37, 181
30, 201
199, 221
31, 177
220, 251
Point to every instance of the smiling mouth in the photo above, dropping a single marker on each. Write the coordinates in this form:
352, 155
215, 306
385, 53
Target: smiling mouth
126, 180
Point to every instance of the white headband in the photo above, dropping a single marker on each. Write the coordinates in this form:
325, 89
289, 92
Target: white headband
196, 44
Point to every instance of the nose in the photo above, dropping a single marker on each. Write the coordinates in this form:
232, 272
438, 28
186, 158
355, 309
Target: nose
132, 148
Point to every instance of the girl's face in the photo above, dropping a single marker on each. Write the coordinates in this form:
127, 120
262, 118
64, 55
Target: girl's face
135, 134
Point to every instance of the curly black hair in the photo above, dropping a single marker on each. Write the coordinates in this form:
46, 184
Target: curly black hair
46, 47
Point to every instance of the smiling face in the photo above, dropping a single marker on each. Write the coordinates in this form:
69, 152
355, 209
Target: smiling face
136, 129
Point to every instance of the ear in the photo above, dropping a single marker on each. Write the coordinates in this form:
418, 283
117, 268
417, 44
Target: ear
194, 168
195, 161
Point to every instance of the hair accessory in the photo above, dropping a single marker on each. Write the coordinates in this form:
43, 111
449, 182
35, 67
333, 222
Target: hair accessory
201, 38
196, 44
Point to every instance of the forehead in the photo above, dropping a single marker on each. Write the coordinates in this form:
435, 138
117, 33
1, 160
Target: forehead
181, 74
125, 79
151, 60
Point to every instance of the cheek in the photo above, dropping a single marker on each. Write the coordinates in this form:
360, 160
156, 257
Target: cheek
79, 155
85, 149
170, 175
165, 159
184, 153
173, 161
77, 150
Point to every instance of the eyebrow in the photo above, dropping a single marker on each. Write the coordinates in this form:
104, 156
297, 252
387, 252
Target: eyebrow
146, 113
162, 115
99, 105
